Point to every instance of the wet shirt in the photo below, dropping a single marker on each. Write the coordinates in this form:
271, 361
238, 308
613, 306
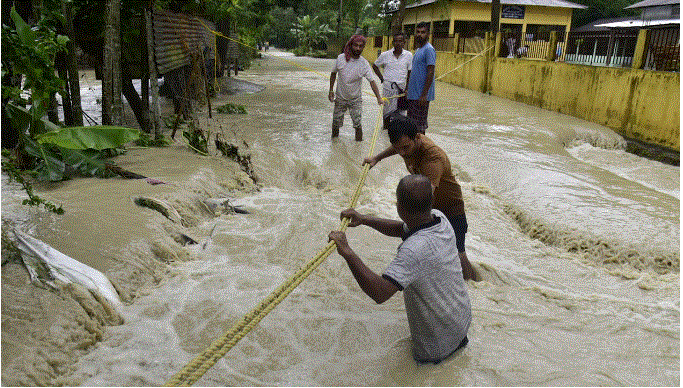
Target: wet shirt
432, 162
427, 269
423, 57
350, 76
395, 69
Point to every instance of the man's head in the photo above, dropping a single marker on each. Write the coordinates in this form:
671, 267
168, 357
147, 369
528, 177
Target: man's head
399, 41
421, 33
413, 197
403, 135
354, 47
357, 48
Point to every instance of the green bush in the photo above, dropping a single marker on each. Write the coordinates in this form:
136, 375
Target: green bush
231, 109
299, 51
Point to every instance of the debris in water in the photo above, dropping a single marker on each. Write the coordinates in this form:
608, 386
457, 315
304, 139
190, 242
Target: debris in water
231, 109
131, 175
232, 151
223, 205
47, 265
161, 206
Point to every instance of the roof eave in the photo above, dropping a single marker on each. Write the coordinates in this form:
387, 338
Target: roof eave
643, 4
509, 2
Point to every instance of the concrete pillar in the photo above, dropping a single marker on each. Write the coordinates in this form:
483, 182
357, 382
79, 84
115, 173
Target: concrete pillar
486, 84
456, 43
610, 47
499, 40
552, 47
640, 55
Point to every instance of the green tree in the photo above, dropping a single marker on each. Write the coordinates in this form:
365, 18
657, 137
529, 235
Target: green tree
601, 9
309, 31
278, 29
375, 21
30, 53
39, 144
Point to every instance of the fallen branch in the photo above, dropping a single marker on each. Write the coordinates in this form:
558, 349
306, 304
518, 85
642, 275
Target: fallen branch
131, 175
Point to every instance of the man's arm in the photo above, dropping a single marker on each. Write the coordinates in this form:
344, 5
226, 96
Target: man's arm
373, 85
390, 151
391, 228
379, 73
428, 82
375, 286
333, 77
407, 81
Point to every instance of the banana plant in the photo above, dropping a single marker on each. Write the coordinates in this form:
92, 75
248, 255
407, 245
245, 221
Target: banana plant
82, 149
309, 31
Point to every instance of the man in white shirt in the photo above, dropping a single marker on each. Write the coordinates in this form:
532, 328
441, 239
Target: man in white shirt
352, 68
397, 64
426, 268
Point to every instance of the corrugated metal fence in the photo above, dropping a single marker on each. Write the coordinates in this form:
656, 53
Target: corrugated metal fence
178, 38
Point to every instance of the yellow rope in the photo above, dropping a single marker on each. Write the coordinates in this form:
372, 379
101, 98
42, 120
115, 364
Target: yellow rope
464, 63
216, 33
203, 362
196, 368
246, 45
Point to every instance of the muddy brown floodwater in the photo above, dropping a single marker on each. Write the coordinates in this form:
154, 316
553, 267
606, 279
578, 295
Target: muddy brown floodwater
576, 242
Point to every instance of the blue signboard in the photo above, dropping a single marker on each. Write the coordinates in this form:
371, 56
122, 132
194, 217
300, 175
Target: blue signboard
512, 12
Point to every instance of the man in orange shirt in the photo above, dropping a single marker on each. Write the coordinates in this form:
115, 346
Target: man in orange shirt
424, 157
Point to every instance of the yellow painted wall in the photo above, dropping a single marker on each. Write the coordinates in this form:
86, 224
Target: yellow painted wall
640, 104
432, 12
370, 52
546, 15
469, 76
456, 10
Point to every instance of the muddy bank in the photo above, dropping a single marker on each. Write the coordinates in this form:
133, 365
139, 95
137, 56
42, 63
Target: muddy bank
653, 152
46, 329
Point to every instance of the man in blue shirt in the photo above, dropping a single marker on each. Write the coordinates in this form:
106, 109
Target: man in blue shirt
421, 84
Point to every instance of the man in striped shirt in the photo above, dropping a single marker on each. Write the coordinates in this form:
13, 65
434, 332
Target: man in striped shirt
426, 268
352, 68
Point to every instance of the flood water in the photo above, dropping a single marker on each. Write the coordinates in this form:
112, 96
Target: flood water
576, 241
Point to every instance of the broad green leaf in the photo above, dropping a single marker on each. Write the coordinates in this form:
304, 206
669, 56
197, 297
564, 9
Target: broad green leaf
22, 118
55, 167
50, 167
86, 161
19, 116
27, 36
97, 137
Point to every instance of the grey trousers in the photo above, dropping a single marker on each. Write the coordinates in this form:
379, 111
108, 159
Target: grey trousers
355, 107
